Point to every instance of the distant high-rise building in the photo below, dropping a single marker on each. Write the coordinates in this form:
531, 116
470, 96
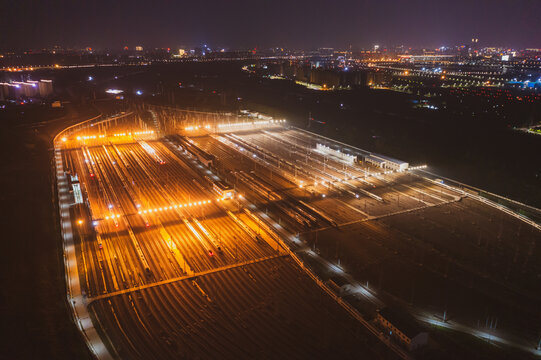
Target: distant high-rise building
474, 46
28, 89
198, 51
45, 88
34, 87
326, 78
326, 51
287, 70
302, 73
4, 91
376, 78
11, 91
16, 91
181, 53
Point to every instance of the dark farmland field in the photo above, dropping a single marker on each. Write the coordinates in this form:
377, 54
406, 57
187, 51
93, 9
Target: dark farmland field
463, 258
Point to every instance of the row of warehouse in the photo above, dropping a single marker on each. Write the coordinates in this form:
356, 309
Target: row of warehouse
29, 89
380, 161
386, 162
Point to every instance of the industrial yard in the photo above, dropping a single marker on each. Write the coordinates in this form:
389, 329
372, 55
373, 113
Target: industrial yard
261, 231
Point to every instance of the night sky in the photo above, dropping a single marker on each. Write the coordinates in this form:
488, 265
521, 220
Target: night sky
247, 24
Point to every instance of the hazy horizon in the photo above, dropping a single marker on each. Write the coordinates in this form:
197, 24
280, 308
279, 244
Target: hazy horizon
243, 24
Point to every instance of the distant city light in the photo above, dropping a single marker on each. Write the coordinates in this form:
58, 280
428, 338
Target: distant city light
114, 91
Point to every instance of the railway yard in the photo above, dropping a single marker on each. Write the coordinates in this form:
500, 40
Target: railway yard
249, 243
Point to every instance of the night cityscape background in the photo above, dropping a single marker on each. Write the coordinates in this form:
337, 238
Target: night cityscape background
202, 180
